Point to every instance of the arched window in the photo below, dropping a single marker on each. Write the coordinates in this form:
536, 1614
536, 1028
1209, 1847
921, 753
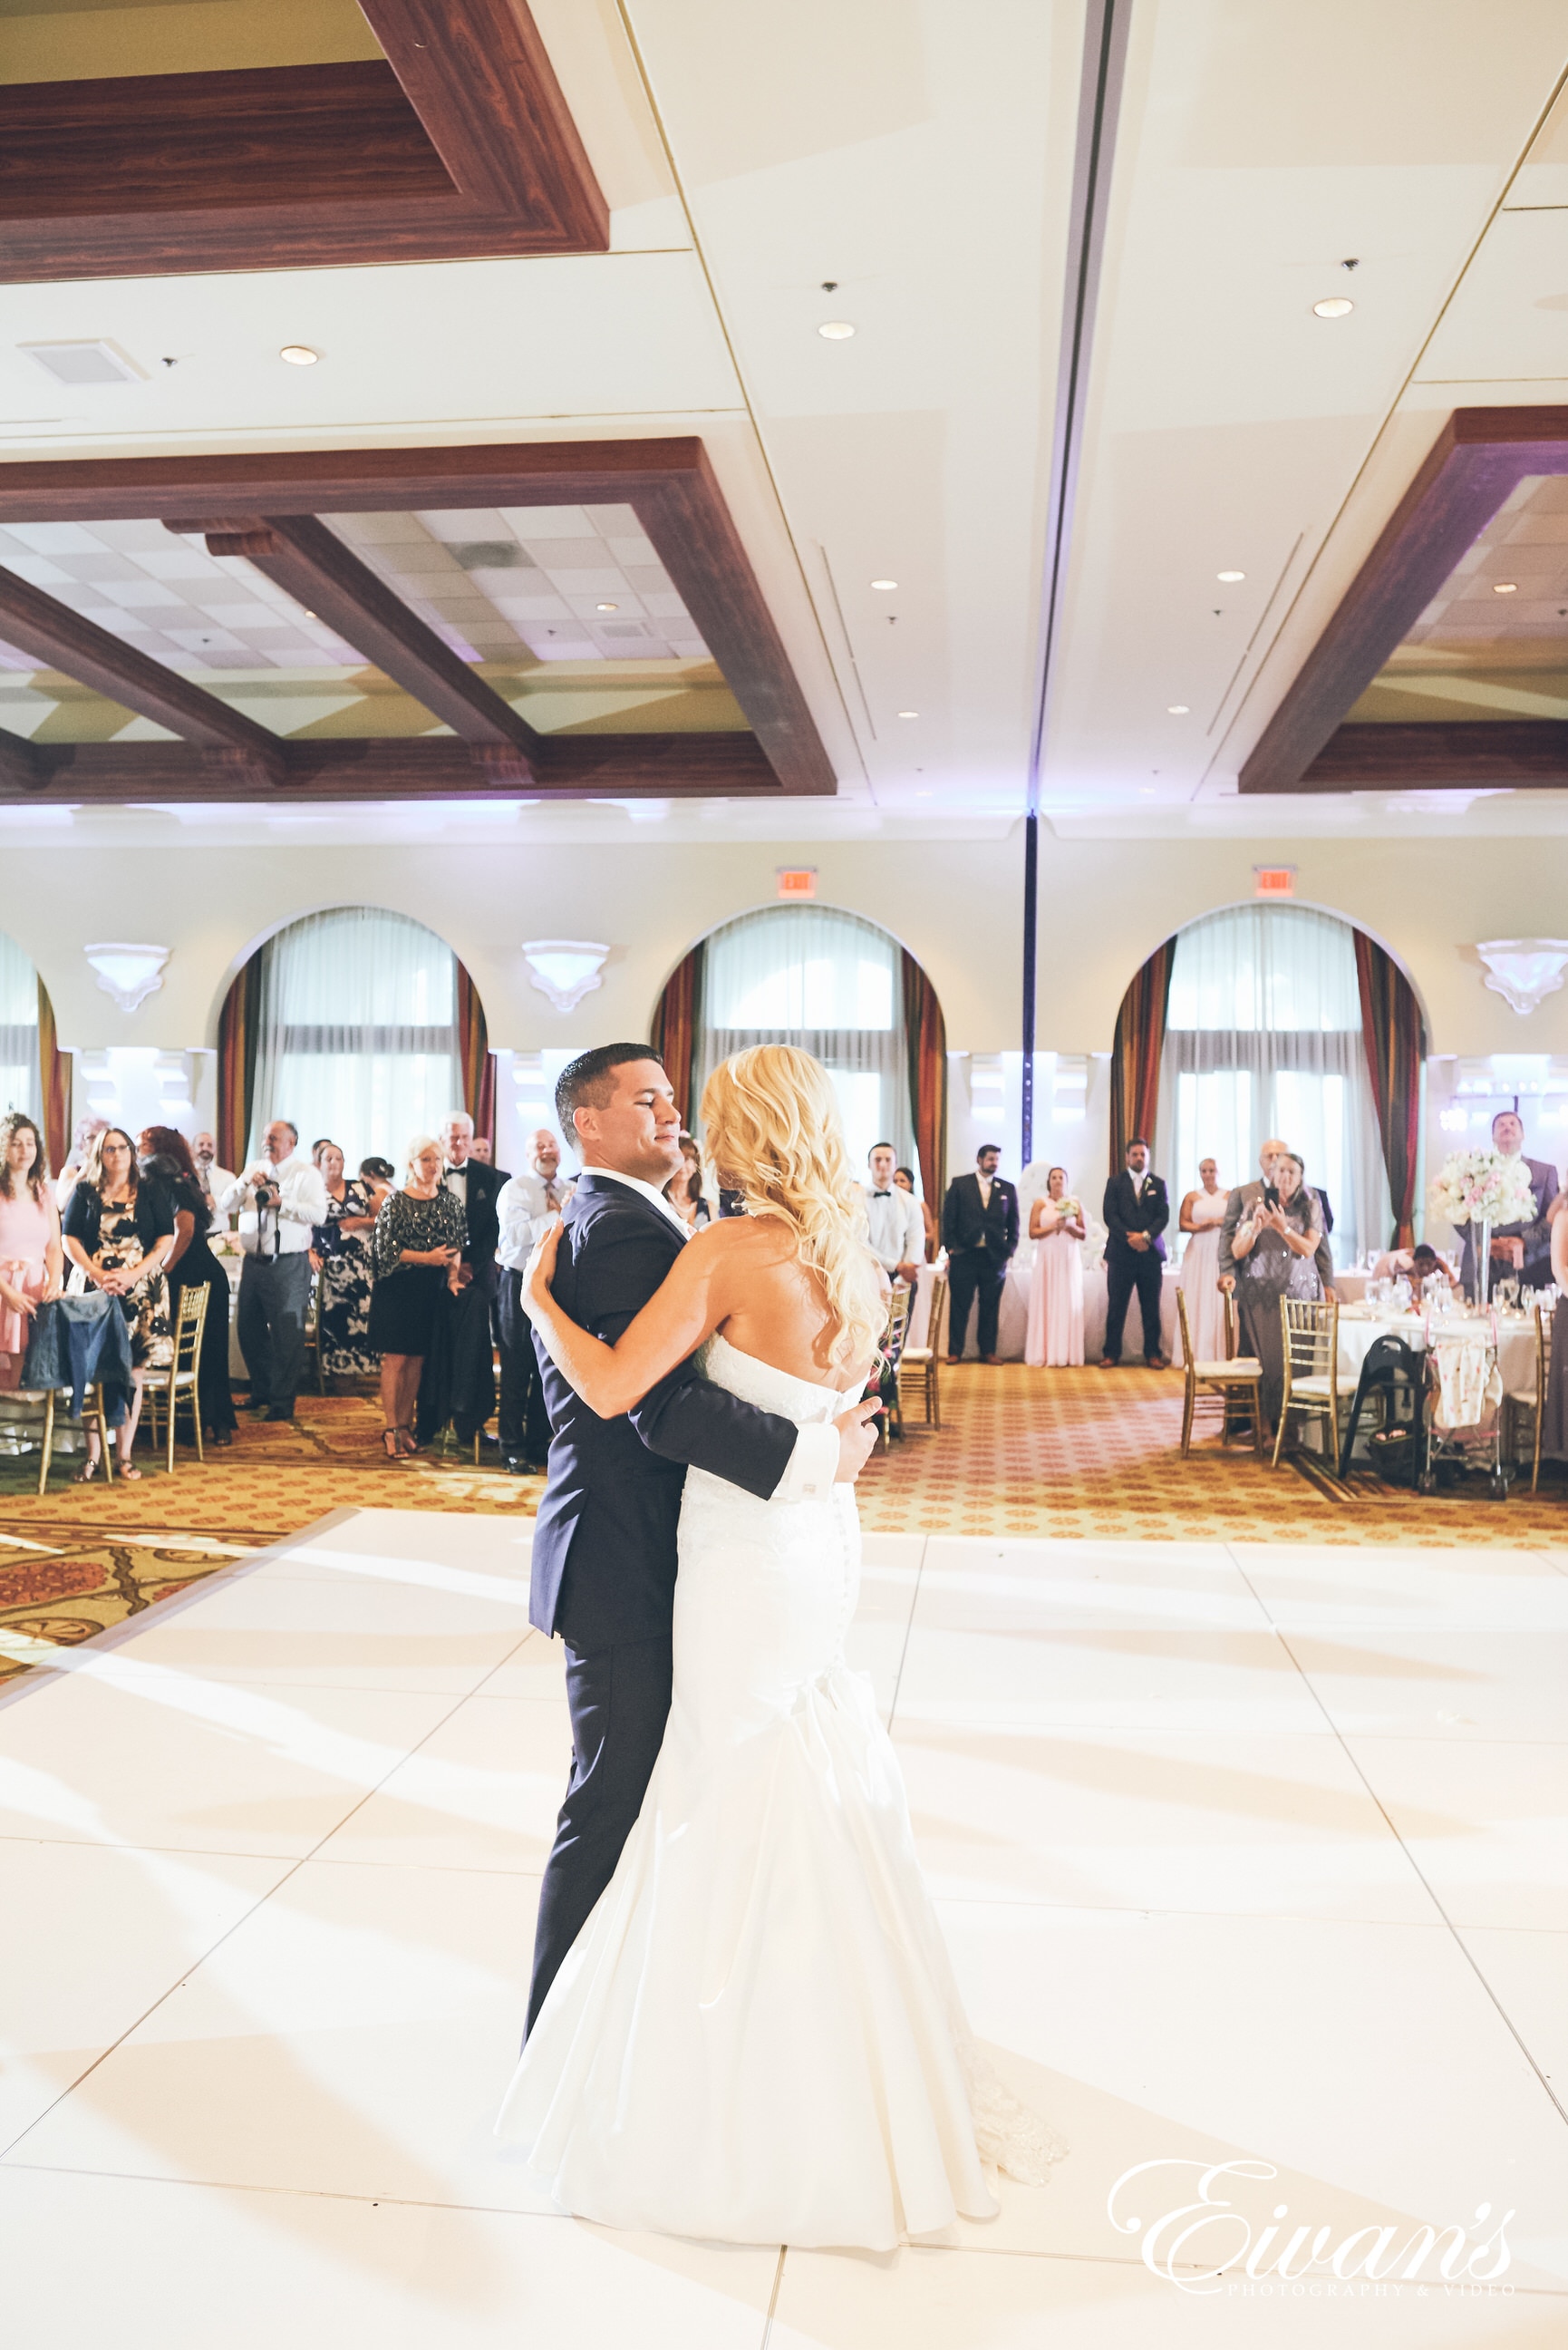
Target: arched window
1264, 1036
361, 1026
18, 1030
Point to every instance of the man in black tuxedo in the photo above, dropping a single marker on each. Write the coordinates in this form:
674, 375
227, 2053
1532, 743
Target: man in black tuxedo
459, 1378
979, 1233
603, 1542
1137, 1213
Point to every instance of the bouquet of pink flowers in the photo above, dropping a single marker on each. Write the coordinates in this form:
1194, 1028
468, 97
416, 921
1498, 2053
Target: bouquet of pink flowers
1482, 1187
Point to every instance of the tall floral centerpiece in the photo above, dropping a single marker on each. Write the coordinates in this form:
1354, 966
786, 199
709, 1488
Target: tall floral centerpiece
1484, 1188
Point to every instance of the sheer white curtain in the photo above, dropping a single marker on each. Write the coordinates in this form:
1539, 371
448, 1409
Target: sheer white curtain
829, 982
357, 1034
1264, 1038
20, 1082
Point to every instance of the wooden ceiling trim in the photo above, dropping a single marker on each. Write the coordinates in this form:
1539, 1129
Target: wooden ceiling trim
304, 558
1448, 754
569, 768
60, 639
459, 144
1477, 460
668, 483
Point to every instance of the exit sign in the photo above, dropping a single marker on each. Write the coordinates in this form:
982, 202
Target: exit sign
1274, 880
797, 881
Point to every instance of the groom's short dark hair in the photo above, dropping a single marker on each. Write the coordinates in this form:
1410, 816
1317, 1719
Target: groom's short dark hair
583, 1080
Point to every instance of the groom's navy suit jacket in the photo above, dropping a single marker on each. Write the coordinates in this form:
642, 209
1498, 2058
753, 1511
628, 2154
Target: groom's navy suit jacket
604, 1543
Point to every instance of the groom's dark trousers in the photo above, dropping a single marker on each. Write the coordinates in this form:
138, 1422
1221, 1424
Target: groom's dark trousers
604, 1544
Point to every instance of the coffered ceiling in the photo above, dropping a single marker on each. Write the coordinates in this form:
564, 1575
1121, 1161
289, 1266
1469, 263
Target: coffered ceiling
905, 168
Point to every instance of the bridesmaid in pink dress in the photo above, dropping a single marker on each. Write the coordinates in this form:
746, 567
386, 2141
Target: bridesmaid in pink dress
1056, 1334
31, 1257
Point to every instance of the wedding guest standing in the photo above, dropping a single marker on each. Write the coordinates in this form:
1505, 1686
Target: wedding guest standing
684, 1192
119, 1234
340, 1251
81, 1143
979, 1232
1137, 1213
895, 1228
1057, 1227
168, 1160
904, 1176
417, 1252
524, 1205
213, 1179
31, 1258
459, 1382
1519, 1250
1555, 1424
1201, 1214
279, 1202
1275, 1248
378, 1176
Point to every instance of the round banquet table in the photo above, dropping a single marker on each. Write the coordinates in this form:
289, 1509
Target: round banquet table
1360, 1325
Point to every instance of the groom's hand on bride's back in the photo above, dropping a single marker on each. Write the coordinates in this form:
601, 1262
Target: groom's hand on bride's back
856, 1441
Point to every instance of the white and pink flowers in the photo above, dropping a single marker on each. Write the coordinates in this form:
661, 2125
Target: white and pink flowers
1482, 1187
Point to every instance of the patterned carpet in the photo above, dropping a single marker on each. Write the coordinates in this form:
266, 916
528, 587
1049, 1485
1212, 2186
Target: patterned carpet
1067, 1453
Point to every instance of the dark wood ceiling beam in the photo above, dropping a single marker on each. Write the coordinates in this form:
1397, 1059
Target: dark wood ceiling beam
1479, 459
60, 639
480, 81
571, 767
668, 482
1442, 754
311, 564
20, 768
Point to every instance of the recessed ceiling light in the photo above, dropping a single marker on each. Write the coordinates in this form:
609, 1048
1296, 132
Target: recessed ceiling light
836, 330
922, 795
1230, 577
1505, 586
1179, 709
909, 713
606, 607
888, 584
1336, 307
299, 355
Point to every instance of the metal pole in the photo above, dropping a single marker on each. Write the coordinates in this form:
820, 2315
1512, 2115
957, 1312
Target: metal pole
1031, 925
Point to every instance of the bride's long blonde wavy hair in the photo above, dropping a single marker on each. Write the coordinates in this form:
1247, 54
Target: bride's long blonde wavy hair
773, 1134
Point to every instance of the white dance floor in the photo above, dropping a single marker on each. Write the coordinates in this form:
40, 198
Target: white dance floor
1246, 1856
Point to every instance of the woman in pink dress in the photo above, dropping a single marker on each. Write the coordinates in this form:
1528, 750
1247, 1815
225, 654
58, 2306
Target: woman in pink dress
31, 1258
1056, 1335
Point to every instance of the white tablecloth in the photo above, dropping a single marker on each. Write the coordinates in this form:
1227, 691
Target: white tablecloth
1515, 1342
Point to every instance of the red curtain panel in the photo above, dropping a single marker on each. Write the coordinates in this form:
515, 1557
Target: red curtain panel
926, 1035
55, 1081
1396, 1041
474, 1058
239, 1026
1135, 1054
675, 1025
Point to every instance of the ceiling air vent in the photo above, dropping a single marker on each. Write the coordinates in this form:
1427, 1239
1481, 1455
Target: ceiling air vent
85, 362
622, 629
492, 555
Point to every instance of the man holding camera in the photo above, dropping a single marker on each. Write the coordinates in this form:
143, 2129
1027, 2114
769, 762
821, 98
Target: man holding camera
277, 1203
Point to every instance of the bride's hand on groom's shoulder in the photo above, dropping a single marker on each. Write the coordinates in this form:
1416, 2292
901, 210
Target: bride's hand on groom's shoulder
539, 1270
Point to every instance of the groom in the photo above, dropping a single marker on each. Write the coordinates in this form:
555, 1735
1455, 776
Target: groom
604, 1544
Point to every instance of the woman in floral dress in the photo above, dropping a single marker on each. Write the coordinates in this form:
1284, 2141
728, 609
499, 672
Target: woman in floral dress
340, 1252
119, 1234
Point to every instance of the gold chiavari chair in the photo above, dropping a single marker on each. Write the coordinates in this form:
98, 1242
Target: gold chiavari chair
1309, 1328
918, 1366
178, 1383
1239, 1376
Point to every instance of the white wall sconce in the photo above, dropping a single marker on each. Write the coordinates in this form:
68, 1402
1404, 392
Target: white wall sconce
129, 974
1524, 971
565, 969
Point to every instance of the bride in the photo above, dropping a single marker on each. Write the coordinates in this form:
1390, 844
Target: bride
756, 2037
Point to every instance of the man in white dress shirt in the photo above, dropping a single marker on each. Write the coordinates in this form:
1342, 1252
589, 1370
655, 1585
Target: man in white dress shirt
524, 1205
278, 1200
897, 1226
214, 1180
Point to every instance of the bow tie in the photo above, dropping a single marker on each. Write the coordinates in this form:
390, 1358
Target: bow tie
881, 1195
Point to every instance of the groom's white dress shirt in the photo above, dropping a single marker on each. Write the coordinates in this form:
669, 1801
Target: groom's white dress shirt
895, 1228
813, 1463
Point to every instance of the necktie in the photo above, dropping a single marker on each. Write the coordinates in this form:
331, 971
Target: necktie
552, 1198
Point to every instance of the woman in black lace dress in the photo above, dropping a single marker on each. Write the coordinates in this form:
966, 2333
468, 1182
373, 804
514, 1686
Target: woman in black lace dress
340, 1249
417, 1250
166, 1155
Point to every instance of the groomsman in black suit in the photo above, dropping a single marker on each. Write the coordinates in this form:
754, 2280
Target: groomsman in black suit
979, 1233
1137, 1213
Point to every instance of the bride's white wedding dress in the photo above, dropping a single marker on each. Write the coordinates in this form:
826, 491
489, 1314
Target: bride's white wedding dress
757, 2036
